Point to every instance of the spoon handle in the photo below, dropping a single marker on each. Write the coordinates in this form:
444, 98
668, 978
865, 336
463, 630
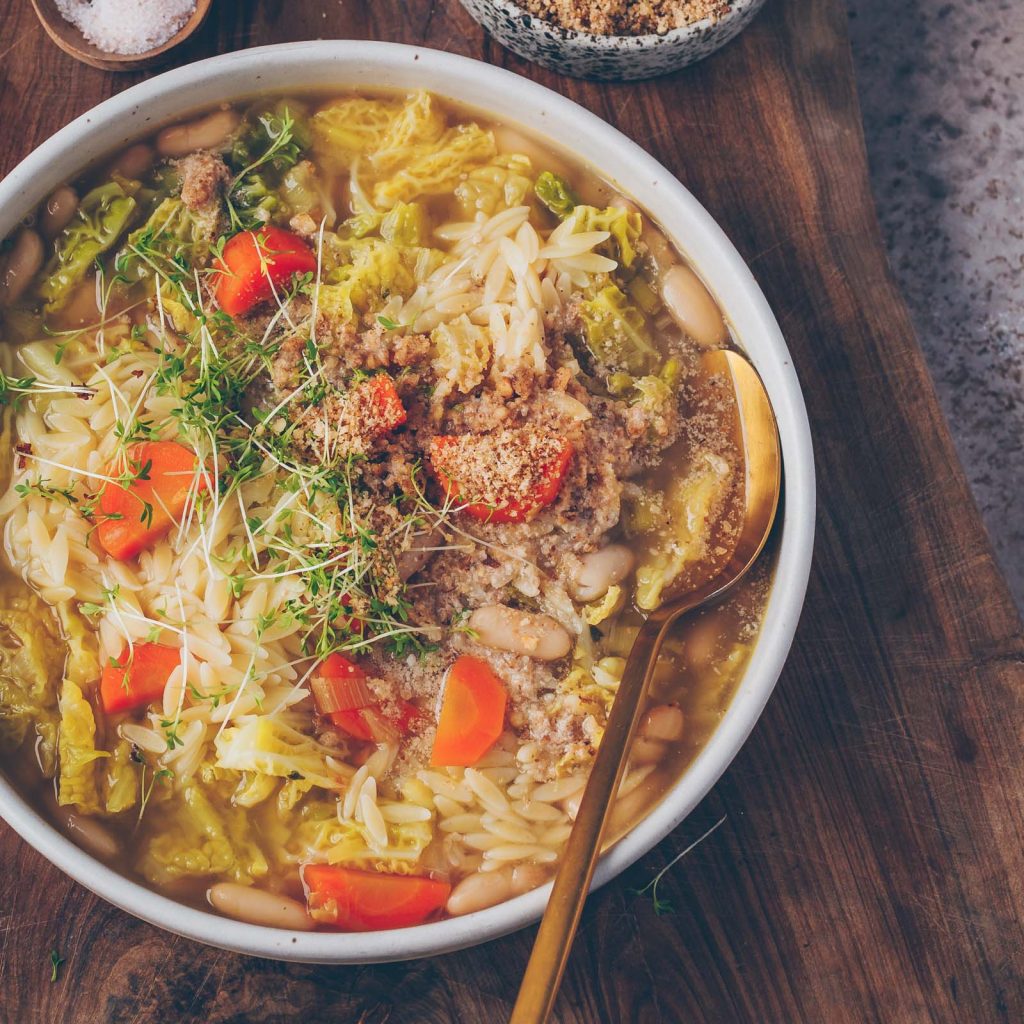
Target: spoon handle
558, 925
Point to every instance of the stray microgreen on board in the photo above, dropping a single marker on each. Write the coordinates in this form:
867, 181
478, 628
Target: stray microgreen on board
664, 906
55, 961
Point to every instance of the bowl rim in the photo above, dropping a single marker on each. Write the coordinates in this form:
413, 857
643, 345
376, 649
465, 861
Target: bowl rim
542, 113
625, 43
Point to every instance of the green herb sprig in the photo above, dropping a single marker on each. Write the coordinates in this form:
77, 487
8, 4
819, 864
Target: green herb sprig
664, 906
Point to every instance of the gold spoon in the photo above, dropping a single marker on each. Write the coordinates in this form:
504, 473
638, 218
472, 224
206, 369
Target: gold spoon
70, 39
763, 483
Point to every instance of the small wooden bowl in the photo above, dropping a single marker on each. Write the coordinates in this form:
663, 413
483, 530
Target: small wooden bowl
71, 41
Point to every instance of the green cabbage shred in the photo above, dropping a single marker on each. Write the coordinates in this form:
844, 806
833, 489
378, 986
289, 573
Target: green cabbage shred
682, 542
196, 839
404, 224
78, 785
556, 194
31, 662
623, 225
500, 184
99, 222
616, 331
171, 234
119, 780
260, 158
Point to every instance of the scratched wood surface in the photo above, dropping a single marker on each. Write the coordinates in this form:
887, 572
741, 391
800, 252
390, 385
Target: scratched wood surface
871, 866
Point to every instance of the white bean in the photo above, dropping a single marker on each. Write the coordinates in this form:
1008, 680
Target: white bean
91, 836
663, 722
480, 891
658, 246
509, 629
257, 906
600, 570
134, 161
21, 265
646, 750
627, 809
205, 133
571, 805
692, 307
528, 876
661, 725
81, 309
58, 211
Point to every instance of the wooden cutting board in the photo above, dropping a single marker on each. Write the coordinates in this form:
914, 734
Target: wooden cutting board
871, 865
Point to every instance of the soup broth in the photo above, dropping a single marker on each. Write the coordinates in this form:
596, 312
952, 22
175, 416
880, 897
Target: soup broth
348, 440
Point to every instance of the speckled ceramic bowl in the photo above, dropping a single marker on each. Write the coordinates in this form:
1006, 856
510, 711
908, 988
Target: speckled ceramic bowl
615, 58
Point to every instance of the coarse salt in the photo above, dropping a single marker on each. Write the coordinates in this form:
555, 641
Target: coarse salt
127, 26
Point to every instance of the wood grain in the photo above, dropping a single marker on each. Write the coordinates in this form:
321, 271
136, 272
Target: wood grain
870, 868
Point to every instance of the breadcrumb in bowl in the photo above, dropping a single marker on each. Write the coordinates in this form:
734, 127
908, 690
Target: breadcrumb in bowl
558, 41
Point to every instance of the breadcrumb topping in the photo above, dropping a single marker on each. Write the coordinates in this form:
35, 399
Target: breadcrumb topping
504, 466
626, 17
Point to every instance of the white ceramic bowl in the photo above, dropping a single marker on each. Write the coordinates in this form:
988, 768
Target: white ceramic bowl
344, 64
608, 58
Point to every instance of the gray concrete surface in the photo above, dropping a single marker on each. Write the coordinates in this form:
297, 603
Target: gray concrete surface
942, 90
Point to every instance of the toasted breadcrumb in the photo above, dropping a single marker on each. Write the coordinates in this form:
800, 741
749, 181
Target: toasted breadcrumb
504, 466
343, 423
626, 17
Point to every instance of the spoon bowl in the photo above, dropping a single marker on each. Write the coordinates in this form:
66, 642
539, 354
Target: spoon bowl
71, 40
761, 490
762, 487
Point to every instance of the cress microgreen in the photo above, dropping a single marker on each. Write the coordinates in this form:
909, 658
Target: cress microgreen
664, 906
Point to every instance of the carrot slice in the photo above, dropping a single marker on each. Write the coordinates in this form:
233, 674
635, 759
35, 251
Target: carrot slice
138, 678
353, 723
256, 264
445, 458
345, 694
472, 714
374, 723
337, 666
366, 901
136, 516
383, 406
341, 694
